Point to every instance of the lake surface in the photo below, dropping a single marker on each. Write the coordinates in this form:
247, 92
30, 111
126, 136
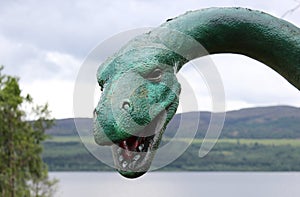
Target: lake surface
178, 184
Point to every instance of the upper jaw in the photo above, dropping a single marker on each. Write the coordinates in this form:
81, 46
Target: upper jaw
103, 139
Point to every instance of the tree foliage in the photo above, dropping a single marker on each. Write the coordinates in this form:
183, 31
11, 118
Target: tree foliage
22, 170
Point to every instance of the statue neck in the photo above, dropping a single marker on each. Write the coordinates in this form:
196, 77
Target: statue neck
258, 35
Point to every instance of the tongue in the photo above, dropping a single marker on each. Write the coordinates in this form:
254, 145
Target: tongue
129, 145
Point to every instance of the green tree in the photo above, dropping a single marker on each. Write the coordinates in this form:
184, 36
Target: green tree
21, 165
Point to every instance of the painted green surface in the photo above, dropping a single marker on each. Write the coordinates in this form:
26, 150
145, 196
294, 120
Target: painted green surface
139, 82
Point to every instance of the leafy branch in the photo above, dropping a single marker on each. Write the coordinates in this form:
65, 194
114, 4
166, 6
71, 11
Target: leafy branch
291, 11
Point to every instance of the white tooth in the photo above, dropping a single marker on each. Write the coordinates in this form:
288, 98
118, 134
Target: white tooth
161, 122
141, 147
124, 164
151, 141
132, 164
119, 150
136, 157
151, 144
121, 158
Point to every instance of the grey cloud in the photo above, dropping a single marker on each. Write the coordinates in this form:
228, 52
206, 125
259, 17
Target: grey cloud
75, 27
68, 30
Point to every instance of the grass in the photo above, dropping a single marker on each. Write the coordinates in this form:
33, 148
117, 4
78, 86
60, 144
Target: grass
64, 139
267, 142
68, 153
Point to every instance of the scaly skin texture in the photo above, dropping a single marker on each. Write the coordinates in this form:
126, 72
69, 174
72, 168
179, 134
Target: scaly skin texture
139, 82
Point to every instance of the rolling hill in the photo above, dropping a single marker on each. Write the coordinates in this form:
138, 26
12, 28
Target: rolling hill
255, 123
255, 139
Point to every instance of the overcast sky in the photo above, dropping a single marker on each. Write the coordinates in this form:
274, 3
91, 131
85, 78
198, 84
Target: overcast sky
45, 43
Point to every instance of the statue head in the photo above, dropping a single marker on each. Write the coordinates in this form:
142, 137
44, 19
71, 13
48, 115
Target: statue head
139, 97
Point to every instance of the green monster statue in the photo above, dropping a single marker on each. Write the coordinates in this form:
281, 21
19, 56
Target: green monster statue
140, 89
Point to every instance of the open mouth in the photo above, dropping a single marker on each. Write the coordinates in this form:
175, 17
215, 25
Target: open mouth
133, 156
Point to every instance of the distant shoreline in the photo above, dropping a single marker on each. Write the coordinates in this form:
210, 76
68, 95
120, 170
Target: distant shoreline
255, 139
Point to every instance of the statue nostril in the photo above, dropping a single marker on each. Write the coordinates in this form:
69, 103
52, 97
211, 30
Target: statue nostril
126, 105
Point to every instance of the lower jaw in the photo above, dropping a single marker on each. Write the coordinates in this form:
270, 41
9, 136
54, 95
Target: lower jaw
138, 161
137, 164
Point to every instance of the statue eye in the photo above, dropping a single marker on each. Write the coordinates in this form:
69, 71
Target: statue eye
155, 75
